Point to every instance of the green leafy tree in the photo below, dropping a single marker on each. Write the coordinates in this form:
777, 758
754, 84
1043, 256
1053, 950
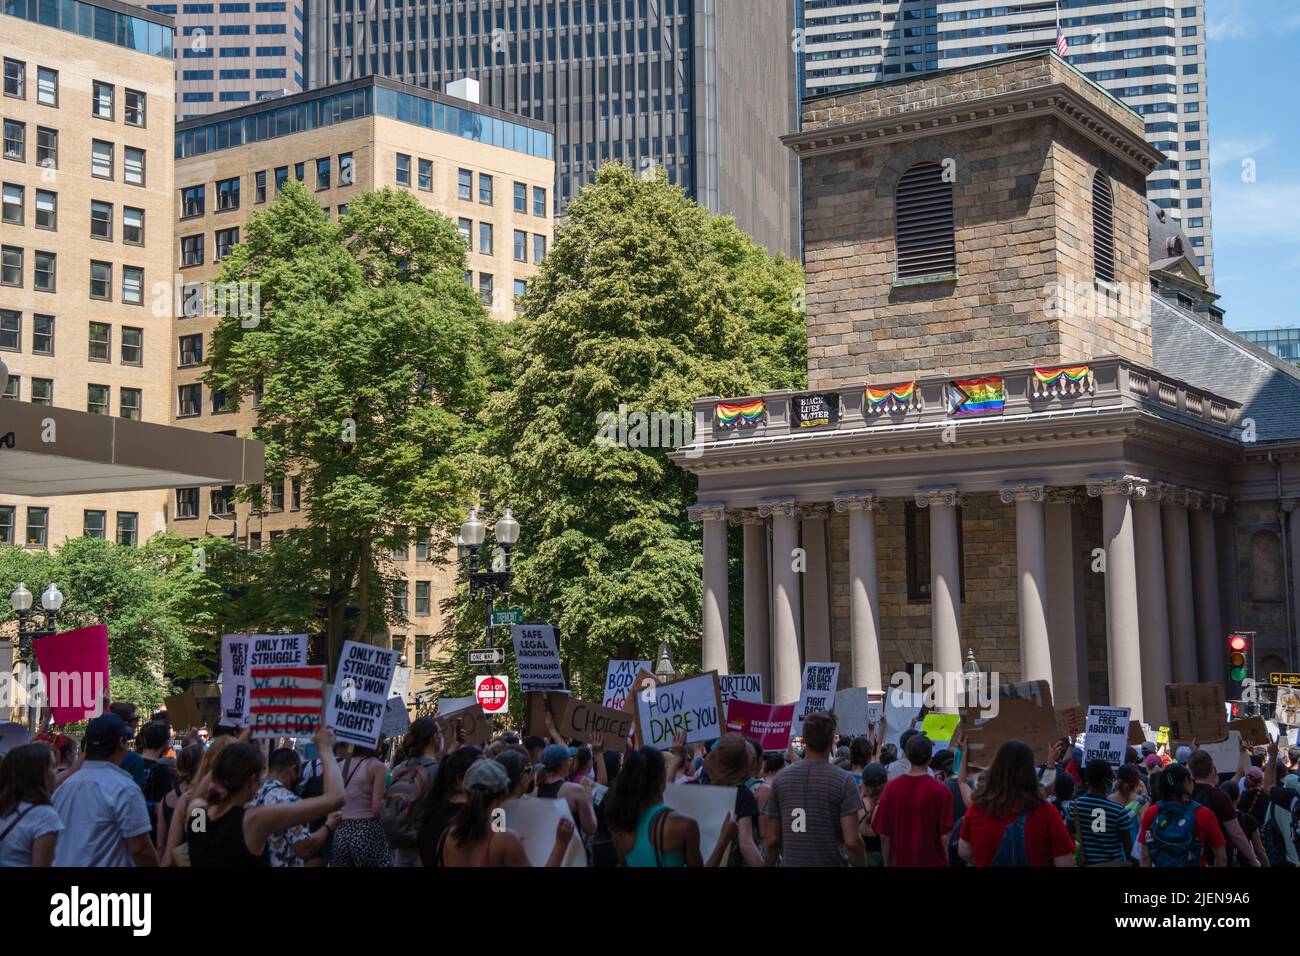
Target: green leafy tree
646, 300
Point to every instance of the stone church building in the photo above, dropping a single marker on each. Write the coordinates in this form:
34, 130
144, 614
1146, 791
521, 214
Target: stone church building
1027, 435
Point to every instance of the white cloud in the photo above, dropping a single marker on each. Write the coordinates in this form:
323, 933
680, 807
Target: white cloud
1259, 214
1227, 20
1233, 151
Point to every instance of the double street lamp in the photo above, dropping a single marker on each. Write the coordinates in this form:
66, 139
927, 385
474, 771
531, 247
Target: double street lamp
29, 629
493, 580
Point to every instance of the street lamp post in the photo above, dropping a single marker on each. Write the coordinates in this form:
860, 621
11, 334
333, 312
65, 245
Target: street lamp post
495, 578
29, 629
664, 670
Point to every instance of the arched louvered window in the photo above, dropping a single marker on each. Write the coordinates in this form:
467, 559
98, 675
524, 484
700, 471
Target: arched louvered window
923, 227
1103, 228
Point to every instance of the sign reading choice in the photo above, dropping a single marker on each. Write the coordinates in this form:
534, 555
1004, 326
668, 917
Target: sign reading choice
537, 655
692, 706
360, 693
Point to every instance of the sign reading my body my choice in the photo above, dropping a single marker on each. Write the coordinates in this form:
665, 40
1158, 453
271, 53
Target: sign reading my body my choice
537, 655
618, 680
817, 410
360, 693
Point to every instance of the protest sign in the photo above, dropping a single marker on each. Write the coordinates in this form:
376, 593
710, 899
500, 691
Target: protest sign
471, 721
1225, 753
277, 650
1162, 736
1105, 737
619, 677
1137, 736
692, 705
537, 656
1287, 711
1253, 730
741, 687
940, 728
537, 703
818, 691
1196, 712
449, 705
769, 724
285, 701
899, 709
75, 667
396, 716
182, 711
707, 806
360, 693
1071, 721
534, 822
643, 681
852, 706
234, 679
1272, 727
1018, 718
580, 720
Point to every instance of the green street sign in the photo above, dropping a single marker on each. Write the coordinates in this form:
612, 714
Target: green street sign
511, 615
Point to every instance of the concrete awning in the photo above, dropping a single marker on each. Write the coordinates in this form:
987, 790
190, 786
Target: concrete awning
60, 451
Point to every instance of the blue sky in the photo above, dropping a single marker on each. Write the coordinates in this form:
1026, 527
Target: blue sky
1252, 59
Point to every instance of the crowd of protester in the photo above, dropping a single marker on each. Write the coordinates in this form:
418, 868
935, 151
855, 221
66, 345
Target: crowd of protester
132, 795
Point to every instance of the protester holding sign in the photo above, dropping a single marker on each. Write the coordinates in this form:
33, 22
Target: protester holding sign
360, 840
1009, 824
473, 840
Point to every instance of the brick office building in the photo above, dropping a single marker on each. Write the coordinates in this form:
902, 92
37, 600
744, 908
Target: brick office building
1001, 410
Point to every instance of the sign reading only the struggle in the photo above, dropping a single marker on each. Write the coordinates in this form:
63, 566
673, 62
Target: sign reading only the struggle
277, 650
692, 706
537, 655
360, 693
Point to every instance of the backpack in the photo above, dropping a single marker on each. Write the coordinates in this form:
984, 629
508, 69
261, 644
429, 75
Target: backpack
159, 778
1013, 851
1171, 841
400, 812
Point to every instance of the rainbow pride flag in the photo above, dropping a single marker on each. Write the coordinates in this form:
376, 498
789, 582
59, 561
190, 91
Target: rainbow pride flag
1074, 375
730, 416
890, 396
975, 396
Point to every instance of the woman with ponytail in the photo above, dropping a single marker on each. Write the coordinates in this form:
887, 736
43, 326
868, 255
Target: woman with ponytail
645, 831
222, 831
476, 839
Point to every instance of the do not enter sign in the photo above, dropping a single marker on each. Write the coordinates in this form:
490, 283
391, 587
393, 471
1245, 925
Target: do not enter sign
492, 694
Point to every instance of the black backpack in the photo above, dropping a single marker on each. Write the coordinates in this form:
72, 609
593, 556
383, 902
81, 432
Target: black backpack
159, 779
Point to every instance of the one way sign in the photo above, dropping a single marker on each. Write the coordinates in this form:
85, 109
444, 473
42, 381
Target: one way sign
488, 655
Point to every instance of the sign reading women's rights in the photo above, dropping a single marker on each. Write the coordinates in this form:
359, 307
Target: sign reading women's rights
619, 678
360, 693
819, 683
1105, 735
537, 655
692, 706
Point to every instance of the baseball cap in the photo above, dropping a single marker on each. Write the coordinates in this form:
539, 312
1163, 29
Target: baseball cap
106, 730
487, 776
1183, 754
555, 755
874, 775
1255, 773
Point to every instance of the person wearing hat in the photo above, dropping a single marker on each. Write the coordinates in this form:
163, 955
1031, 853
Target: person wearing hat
474, 840
872, 785
729, 764
553, 784
106, 822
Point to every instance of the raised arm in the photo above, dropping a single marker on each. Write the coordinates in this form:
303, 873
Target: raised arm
261, 822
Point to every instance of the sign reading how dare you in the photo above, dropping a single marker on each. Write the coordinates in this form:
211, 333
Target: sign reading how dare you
692, 706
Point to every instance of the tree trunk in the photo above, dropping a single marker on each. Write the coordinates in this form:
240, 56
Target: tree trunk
363, 593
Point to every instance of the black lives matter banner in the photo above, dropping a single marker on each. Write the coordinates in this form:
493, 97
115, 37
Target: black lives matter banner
360, 693
816, 411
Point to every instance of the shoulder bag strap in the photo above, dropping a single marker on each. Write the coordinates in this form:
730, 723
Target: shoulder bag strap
15, 822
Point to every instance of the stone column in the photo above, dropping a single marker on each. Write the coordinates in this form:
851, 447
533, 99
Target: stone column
1294, 535
816, 585
1153, 607
1031, 580
864, 588
1123, 653
787, 671
945, 583
714, 609
1211, 644
1178, 581
1064, 635
758, 635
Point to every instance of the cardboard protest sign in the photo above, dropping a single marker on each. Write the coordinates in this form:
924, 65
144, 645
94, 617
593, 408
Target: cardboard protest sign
580, 720
769, 724
360, 693
1071, 721
852, 707
1226, 753
1106, 735
277, 650
1137, 736
1272, 728
741, 687
182, 711
818, 691
899, 709
234, 679
449, 705
396, 717
1287, 712
643, 681
707, 806
537, 656
1017, 718
534, 822
1196, 712
537, 702
1253, 730
940, 728
476, 725
75, 668
285, 701
618, 678
692, 705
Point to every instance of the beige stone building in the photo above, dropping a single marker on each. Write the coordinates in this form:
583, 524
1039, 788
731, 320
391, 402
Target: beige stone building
488, 171
1018, 445
87, 233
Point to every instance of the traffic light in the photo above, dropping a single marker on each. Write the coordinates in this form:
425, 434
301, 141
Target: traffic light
1237, 648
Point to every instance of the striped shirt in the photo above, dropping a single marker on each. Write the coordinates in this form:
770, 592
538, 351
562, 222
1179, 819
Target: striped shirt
1103, 827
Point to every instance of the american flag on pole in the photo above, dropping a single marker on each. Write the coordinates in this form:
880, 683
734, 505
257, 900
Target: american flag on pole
1062, 44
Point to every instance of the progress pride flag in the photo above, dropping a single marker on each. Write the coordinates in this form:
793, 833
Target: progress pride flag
769, 724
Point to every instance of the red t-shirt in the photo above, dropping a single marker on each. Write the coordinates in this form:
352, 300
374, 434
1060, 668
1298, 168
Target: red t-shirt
1208, 832
915, 812
1045, 835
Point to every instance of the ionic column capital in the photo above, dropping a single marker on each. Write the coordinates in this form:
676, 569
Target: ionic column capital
859, 501
1219, 503
1289, 505
777, 506
1196, 500
707, 511
1151, 490
948, 497
1122, 485
813, 511
1175, 496
744, 516
1022, 492
1063, 496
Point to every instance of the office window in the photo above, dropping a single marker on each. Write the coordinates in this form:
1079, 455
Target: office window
521, 197
92, 525
129, 400
342, 209
539, 201
133, 165
102, 101
134, 113
38, 522
101, 342
422, 597
15, 78
101, 282
189, 400
295, 498
226, 240
426, 175
47, 209
400, 553
47, 148
485, 288
192, 250
132, 288
47, 86
187, 502
466, 229
347, 169
521, 289
11, 265
132, 342
464, 184
323, 173
539, 248
101, 159
12, 387
97, 399
485, 238
132, 226
221, 402
101, 219
281, 177
6, 524
300, 172
399, 599
191, 347
11, 330
485, 189
259, 186
403, 169
44, 268
227, 194
42, 391
422, 544
42, 334
128, 527
14, 204
521, 246
15, 140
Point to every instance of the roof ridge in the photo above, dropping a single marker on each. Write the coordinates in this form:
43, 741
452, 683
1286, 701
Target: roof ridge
1231, 338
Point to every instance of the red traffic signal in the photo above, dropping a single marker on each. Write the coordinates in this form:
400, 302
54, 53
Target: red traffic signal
1237, 643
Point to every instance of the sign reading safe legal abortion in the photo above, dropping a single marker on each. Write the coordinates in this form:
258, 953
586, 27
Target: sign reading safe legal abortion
537, 655
360, 693
692, 706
